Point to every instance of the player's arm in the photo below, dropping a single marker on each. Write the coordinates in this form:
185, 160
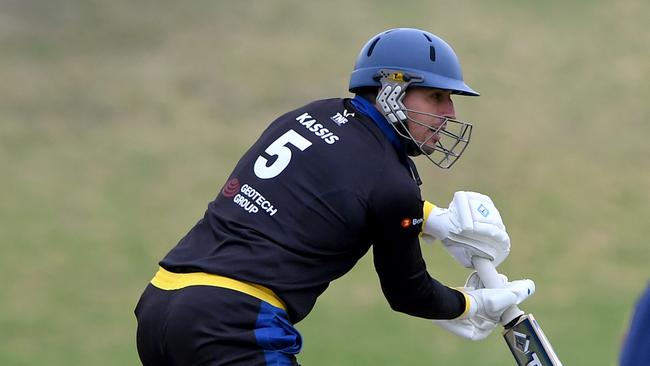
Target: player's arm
471, 311
409, 288
395, 222
471, 226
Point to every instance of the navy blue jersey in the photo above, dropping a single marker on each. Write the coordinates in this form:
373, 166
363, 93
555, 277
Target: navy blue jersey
636, 347
321, 185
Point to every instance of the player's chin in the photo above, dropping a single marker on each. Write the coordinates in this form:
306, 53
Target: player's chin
428, 150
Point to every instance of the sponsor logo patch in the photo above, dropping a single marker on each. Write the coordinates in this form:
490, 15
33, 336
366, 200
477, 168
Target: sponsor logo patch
407, 222
395, 76
341, 118
252, 201
231, 188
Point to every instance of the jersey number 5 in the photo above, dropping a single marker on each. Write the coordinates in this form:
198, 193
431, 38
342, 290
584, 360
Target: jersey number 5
279, 148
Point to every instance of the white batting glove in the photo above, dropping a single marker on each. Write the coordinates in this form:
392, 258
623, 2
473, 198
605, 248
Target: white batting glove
470, 227
486, 306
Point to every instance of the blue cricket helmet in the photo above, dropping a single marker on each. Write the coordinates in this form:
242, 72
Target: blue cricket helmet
412, 51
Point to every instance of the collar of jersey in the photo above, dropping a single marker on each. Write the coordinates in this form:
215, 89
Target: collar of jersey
365, 107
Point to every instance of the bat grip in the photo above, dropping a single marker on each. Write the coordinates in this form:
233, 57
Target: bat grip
490, 278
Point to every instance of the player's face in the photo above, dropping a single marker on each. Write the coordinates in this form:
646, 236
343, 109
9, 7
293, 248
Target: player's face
437, 105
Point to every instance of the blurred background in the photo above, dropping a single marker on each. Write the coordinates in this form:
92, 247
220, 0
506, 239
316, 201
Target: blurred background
121, 120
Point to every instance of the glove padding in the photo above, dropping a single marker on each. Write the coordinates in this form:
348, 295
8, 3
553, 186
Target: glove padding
470, 227
486, 306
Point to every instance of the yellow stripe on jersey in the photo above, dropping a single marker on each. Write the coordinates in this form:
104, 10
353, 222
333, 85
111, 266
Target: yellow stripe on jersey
467, 302
166, 280
428, 207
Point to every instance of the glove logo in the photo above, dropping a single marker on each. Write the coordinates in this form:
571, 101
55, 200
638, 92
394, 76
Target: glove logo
483, 210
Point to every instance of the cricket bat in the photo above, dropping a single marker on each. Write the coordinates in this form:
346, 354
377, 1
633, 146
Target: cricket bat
522, 333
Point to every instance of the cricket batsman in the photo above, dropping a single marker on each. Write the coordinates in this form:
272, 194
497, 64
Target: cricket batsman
324, 184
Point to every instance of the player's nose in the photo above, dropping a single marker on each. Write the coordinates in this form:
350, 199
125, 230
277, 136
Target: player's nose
448, 109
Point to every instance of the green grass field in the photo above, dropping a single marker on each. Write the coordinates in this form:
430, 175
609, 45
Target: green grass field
119, 121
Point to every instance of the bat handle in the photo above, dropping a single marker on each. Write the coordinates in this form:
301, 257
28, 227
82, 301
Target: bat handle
490, 278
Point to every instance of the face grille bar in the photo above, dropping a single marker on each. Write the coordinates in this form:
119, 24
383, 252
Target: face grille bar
451, 138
